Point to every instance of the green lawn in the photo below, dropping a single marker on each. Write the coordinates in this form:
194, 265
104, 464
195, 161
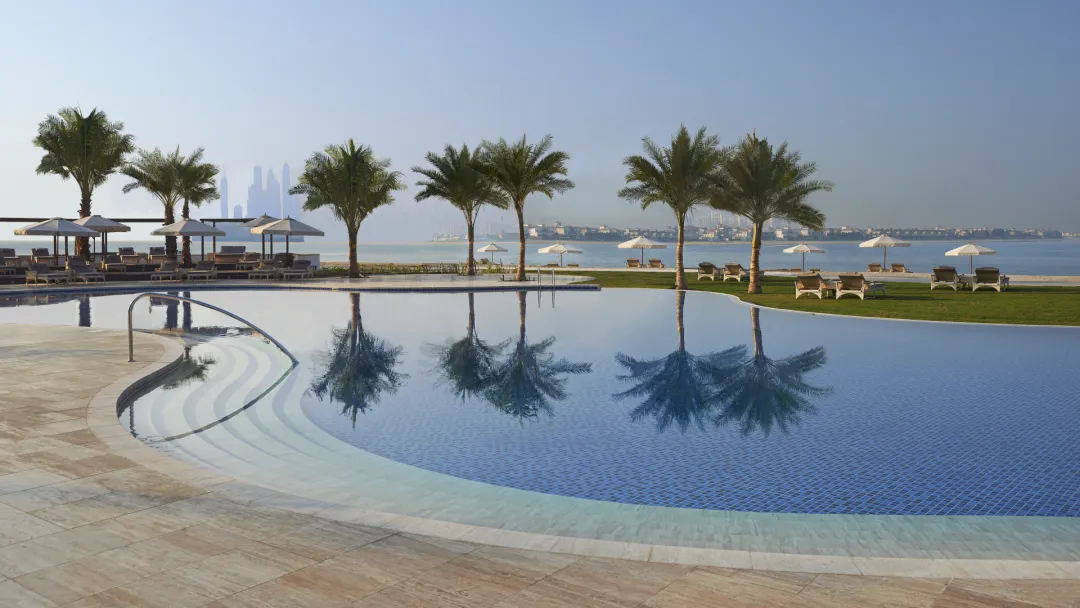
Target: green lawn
1034, 305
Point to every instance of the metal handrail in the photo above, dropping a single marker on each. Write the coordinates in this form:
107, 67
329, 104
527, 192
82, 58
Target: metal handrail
131, 335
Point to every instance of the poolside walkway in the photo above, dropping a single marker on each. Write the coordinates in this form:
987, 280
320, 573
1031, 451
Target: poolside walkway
84, 525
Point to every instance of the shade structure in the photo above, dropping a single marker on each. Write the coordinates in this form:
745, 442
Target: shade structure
262, 220
190, 228
970, 250
104, 226
804, 249
558, 248
642, 243
56, 228
288, 227
490, 248
884, 241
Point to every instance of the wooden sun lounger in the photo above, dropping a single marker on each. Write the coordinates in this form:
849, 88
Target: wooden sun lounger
169, 271
301, 269
873, 268
40, 273
898, 267
81, 271
633, 263
707, 270
734, 271
944, 276
114, 262
811, 284
855, 284
989, 278
655, 263
266, 270
202, 270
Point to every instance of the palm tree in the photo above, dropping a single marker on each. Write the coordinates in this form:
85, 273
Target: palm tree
467, 365
762, 183
456, 177
352, 182
358, 368
87, 148
681, 177
519, 169
678, 388
763, 391
198, 185
529, 378
162, 176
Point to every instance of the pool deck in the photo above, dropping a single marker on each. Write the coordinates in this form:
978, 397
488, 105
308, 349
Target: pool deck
89, 514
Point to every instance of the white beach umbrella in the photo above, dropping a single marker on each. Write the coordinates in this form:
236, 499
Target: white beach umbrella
260, 221
490, 248
104, 226
642, 243
884, 241
56, 228
558, 248
288, 227
970, 250
190, 228
804, 249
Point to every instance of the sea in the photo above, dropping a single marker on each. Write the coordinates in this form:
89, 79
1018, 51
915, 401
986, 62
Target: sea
1056, 257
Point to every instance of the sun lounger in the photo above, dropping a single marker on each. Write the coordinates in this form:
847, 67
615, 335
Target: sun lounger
266, 270
40, 254
8, 261
898, 267
655, 263
944, 276
810, 283
169, 271
854, 284
633, 263
81, 271
301, 269
990, 278
573, 265
733, 270
228, 259
815, 270
707, 270
229, 249
157, 254
873, 268
249, 261
202, 270
114, 263
40, 273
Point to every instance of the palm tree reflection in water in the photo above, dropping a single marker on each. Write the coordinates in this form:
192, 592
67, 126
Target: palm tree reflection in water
678, 388
468, 364
191, 369
726, 387
766, 392
522, 383
357, 368
84, 311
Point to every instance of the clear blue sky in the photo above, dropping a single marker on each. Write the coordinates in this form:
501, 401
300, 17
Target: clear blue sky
922, 112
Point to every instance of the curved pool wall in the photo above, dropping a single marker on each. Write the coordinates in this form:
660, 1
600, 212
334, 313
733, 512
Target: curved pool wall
289, 442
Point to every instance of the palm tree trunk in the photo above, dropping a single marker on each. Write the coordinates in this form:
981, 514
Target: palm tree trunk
680, 273
354, 269
472, 315
755, 258
170, 241
521, 320
186, 247
680, 302
520, 208
755, 324
82, 243
84, 311
470, 264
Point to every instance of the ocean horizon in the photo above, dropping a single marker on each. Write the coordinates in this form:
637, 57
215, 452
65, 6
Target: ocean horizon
1056, 257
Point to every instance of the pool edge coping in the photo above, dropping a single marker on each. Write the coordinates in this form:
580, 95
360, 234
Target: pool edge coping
103, 422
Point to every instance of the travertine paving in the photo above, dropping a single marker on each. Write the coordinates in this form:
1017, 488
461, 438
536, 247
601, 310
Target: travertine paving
81, 524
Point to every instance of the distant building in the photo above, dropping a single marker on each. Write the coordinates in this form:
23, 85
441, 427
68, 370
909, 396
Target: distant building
237, 212
224, 189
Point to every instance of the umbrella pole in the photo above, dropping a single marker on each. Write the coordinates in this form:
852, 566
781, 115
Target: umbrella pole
263, 245
56, 250
65, 248
104, 245
202, 248
286, 243
885, 258
804, 261
642, 256
971, 264
271, 245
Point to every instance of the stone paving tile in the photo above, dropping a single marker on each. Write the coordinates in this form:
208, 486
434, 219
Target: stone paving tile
15, 595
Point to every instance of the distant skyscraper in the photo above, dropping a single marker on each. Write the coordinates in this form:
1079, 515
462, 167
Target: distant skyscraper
224, 189
271, 196
290, 204
237, 212
255, 190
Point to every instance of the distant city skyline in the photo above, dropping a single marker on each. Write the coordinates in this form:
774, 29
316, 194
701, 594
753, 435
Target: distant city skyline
922, 113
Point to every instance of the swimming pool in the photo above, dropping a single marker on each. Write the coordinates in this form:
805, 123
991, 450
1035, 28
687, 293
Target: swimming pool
632, 397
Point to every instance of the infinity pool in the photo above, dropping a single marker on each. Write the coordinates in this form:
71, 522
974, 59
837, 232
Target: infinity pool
639, 397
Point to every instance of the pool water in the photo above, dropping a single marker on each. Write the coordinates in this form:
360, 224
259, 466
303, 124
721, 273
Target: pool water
641, 397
